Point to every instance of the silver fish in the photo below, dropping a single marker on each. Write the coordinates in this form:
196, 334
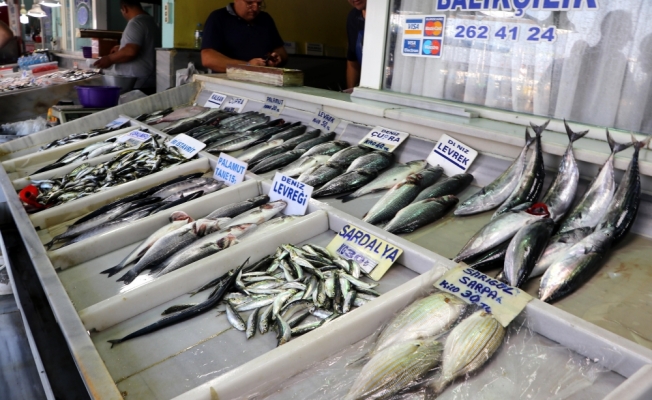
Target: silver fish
556, 247
346, 182
259, 214
251, 323
495, 193
235, 209
303, 164
253, 151
234, 318
524, 250
398, 197
374, 161
387, 179
327, 149
421, 213
448, 186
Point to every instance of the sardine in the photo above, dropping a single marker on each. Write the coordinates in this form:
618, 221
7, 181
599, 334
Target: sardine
468, 347
252, 322
531, 183
234, 318
387, 179
346, 182
394, 368
561, 192
501, 229
595, 202
421, 213
448, 186
575, 265
524, 250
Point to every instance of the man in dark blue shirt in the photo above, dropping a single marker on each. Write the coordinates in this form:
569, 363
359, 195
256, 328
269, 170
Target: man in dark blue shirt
355, 34
241, 33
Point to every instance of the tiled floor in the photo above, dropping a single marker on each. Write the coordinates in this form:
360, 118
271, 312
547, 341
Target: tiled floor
19, 378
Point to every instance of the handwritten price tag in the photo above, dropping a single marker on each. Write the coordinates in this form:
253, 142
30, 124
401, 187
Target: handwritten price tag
235, 104
134, 138
385, 139
324, 121
215, 100
273, 106
187, 146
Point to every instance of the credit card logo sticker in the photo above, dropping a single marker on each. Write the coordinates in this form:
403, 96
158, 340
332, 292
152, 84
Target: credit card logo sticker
434, 27
413, 26
411, 46
432, 47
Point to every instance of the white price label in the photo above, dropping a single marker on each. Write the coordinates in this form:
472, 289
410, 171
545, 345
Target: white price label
452, 155
385, 139
472, 286
295, 193
186, 145
117, 122
273, 106
215, 100
324, 121
134, 138
230, 170
235, 104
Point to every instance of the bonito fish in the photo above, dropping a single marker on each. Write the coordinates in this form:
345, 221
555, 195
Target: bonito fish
524, 250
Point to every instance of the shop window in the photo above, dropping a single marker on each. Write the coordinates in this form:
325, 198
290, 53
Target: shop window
591, 65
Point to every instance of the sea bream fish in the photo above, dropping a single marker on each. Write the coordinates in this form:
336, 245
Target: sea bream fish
501, 229
524, 250
387, 179
531, 183
594, 203
495, 193
561, 192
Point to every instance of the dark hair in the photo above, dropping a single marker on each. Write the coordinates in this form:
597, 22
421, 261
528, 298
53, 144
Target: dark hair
131, 3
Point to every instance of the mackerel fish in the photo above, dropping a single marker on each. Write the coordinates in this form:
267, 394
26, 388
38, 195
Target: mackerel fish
346, 182
387, 179
322, 138
277, 161
255, 150
398, 197
374, 161
321, 174
326, 149
303, 164
421, 213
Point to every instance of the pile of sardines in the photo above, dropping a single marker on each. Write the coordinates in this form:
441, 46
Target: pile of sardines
78, 137
564, 243
184, 241
91, 151
123, 212
293, 292
128, 165
438, 330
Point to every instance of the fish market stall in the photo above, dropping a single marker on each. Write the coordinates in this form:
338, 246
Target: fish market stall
205, 354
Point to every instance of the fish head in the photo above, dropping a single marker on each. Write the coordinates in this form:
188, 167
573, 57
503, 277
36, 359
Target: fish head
464, 178
180, 216
539, 209
275, 205
203, 227
417, 164
227, 241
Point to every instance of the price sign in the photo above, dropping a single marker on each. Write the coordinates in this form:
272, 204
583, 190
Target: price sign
273, 106
117, 122
373, 254
452, 155
215, 100
385, 139
495, 297
230, 170
235, 104
134, 138
296, 194
324, 121
188, 146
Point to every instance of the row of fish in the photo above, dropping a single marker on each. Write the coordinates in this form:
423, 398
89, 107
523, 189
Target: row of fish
565, 244
435, 331
78, 137
294, 291
127, 165
184, 241
123, 212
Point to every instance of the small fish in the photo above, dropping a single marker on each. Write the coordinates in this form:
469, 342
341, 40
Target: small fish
387, 179
468, 347
346, 182
252, 322
524, 250
421, 213
448, 186
395, 368
234, 318
497, 192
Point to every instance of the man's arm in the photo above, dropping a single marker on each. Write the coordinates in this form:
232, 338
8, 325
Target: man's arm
352, 74
217, 61
125, 54
5, 34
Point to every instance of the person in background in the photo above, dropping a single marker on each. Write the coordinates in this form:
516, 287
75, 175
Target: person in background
136, 54
241, 33
355, 33
5, 34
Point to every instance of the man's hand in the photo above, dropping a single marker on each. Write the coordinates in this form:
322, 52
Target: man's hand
274, 60
104, 62
114, 49
258, 62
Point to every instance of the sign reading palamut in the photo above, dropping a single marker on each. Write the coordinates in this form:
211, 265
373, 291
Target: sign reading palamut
230, 170
273, 106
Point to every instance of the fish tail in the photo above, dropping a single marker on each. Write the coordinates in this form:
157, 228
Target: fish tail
128, 277
113, 270
642, 144
528, 138
615, 146
114, 342
347, 197
538, 129
573, 136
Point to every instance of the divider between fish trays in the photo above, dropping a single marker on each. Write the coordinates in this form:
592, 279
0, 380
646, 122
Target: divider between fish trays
131, 303
278, 365
67, 211
91, 248
39, 159
637, 387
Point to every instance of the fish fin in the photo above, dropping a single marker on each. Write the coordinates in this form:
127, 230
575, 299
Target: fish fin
114, 342
573, 136
538, 129
642, 144
113, 270
528, 138
128, 277
357, 362
615, 146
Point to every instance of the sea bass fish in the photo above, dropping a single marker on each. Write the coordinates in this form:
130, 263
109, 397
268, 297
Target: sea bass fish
398, 197
326, 149
495, 193
346, 182
303, 164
